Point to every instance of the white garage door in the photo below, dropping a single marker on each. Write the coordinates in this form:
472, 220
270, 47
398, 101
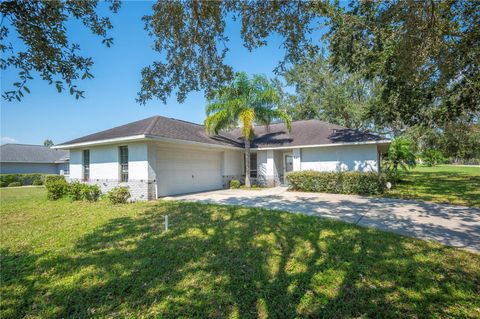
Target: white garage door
181, 171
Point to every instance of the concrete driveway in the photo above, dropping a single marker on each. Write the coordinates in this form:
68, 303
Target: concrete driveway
455, 226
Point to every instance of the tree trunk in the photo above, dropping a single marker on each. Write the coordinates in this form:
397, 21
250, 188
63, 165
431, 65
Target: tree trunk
247, 163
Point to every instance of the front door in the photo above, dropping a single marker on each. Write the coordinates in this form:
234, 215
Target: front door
288, 166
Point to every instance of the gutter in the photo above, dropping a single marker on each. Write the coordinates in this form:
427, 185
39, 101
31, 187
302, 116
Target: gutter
380, 142
142, 137
35, 162
145, 137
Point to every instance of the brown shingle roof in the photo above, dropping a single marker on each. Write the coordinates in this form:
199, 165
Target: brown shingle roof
308, 132
158, 126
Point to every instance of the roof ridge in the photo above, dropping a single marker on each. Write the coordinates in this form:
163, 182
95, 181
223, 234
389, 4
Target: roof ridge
152, 124
25, 144
273, 123
179, 120
344, 127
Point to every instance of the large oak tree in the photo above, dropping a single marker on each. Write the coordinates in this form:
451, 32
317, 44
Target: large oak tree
425, 53
44, 47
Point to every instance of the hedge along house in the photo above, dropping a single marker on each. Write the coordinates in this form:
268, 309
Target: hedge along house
161, 156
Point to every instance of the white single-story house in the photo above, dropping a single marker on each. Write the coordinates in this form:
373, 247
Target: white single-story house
161, 156
27, 159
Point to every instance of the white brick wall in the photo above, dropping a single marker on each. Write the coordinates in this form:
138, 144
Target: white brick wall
104, 169
104, 163
140, 190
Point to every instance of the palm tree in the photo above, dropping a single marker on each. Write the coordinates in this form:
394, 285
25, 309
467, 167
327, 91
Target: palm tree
400, 153
245, 102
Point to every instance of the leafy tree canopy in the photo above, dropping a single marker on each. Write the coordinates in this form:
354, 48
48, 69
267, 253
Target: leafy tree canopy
190, 35
424, 53
48, 143
458, 140
244, 102
335, 96
41, 26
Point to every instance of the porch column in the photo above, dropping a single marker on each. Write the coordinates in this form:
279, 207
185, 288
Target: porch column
296, 159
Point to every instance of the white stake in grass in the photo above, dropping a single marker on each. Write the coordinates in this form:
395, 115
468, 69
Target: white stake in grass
166, 222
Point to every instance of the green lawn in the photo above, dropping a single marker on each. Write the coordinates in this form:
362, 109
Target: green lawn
451, 184
73, 260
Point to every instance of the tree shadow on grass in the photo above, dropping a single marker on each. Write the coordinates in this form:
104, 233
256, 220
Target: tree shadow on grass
440, 186
17, 283
228, 261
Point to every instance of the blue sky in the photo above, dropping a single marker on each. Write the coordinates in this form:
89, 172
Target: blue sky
110, 97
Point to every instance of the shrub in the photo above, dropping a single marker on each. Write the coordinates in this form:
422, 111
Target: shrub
24, 179
3, 184
432, 157
29, 179
51, 178
91, 192
119, 195
75, 191
9, 178
234, 184
37, 182
14, 184
82, 191
400, 155
56, 187
338, 182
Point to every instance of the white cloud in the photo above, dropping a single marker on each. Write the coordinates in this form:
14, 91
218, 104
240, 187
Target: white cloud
8, 139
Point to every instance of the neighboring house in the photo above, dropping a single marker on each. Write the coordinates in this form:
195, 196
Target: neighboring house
161, 156
25, 159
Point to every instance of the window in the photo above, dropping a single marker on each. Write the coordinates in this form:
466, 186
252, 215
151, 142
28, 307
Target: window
123, 156
86, 165
64, 172
253, 165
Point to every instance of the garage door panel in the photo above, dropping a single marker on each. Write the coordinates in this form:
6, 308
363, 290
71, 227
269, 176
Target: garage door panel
184, 171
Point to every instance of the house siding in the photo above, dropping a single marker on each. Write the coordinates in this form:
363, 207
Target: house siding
62, 168
28, 168
143, 163
362, 158
232, 166
147, 159
104, 169
278, 161
336, 158
266, 171
75, 164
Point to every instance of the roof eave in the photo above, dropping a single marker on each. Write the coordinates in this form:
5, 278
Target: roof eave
28, 162
141, 137
187, 142
101, 142
379, 142
146, 137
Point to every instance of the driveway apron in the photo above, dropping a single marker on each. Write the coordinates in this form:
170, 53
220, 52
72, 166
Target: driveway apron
455, 226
